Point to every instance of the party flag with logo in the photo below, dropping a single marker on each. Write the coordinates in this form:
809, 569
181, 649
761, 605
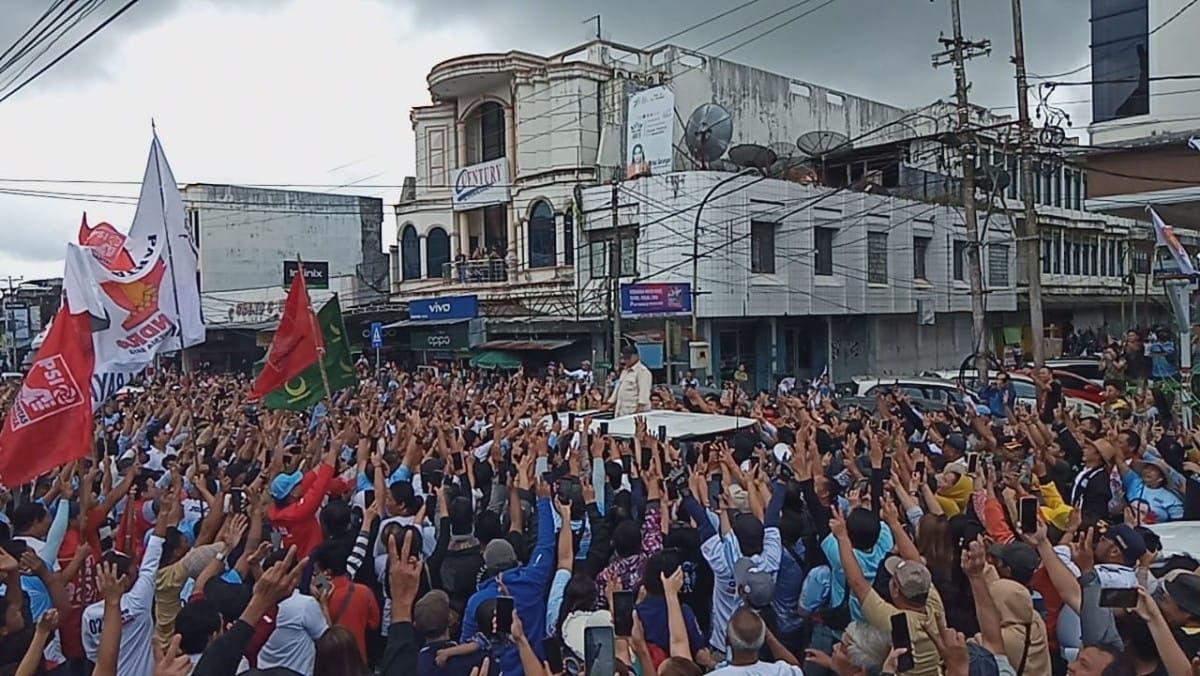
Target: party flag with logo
306, 389
50, 421
297, 343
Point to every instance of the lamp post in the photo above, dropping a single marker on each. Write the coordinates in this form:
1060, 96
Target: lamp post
696, 241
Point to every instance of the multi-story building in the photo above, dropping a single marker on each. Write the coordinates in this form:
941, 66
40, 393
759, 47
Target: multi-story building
249, 242
1144, 103
510, 137
790, 278
247, 237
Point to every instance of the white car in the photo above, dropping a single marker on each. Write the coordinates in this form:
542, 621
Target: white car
1178, 537
930, 389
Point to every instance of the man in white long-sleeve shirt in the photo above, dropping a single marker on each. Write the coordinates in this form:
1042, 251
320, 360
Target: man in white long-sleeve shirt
136, 656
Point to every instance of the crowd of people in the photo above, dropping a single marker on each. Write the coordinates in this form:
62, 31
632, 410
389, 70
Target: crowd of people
462, 522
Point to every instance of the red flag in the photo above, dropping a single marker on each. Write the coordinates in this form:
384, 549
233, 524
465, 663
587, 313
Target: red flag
297, 343
50, 422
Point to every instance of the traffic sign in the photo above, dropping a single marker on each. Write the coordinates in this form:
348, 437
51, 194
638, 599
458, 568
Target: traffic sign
376, 335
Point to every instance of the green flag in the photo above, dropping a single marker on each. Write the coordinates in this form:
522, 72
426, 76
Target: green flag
306, 389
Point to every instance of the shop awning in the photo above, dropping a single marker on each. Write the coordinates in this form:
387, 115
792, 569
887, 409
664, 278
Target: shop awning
524, 345
409, 323
494, 359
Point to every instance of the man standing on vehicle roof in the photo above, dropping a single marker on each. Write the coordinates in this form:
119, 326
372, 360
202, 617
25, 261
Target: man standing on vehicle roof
632, 393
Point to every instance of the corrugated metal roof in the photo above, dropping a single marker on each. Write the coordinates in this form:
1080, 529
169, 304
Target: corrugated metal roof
524, 345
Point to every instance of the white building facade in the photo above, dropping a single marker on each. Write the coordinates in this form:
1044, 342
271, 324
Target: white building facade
247, 236
792, 278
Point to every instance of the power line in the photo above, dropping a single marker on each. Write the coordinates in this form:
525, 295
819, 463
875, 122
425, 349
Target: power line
29, 30
72, 48
83, 13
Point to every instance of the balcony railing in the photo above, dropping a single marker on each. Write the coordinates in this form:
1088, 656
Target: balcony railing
488, 271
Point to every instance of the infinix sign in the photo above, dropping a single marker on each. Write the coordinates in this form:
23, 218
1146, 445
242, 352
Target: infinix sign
447, 307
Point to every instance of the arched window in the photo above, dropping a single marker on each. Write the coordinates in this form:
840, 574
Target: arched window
569, 238
437, 251
542, 250
485, 133
410, 253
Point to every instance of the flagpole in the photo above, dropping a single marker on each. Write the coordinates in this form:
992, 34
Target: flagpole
162, 200
312, 317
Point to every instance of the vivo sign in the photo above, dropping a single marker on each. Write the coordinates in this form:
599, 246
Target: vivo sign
480, 185
447, 307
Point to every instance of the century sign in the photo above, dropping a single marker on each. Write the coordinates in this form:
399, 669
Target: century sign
480, 185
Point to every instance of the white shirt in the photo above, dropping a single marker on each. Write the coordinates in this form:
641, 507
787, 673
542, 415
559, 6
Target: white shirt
298, 625
760, 669
136, 656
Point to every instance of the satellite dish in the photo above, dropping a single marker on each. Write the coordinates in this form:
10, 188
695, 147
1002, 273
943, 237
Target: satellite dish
818, 143
752, 155
708, 132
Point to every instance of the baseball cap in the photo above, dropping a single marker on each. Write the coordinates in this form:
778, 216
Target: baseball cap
956, 441
982, 410
911, 577
283, 484
754, 584
499, 556
1020, 557
1128, 540
1184, 590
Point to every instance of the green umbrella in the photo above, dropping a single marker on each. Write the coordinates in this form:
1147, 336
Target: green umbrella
495, 359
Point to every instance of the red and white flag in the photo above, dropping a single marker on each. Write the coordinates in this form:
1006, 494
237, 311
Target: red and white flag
50, 422
139, 290
297, 343
1164, 235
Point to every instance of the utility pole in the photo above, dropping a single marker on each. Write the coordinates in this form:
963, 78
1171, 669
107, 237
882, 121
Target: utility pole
10, 331
1029, 245
957, 51
615, 277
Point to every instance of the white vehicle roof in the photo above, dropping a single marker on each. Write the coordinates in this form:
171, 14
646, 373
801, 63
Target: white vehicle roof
1178, 537
680, 425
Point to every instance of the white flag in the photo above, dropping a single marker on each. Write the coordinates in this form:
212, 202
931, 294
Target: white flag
1164, 235
160, 212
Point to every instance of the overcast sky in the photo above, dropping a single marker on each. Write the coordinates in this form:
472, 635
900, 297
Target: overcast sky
318, 92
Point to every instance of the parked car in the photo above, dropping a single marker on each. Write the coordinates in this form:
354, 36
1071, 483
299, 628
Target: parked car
1026, 389
937, 390
1088, 369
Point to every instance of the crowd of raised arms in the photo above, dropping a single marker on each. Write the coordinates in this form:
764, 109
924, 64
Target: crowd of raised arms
453, 523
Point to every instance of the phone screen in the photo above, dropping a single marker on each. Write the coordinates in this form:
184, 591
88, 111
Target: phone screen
237, 500
457, 459
972, 463
553, 648
645, 459
504, 613
368, 498
600, 651
623, 613
1119, 598
921, 467
901, 639
662, 433
1029, 506
714, 491
604, 427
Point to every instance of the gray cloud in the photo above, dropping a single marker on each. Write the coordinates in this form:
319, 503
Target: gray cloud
90, 61
879, 49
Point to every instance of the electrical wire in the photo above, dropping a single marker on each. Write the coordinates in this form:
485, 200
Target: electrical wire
21, 38
78, 43
79, 17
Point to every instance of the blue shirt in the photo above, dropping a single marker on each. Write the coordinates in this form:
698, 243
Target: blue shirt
868, 561
653, 614
788, 584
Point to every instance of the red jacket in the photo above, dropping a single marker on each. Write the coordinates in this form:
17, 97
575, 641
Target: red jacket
297, 522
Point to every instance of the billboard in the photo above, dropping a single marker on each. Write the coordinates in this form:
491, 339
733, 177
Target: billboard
446, 307
650, 132
480, 185
316, 273
656, 299
17, 326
